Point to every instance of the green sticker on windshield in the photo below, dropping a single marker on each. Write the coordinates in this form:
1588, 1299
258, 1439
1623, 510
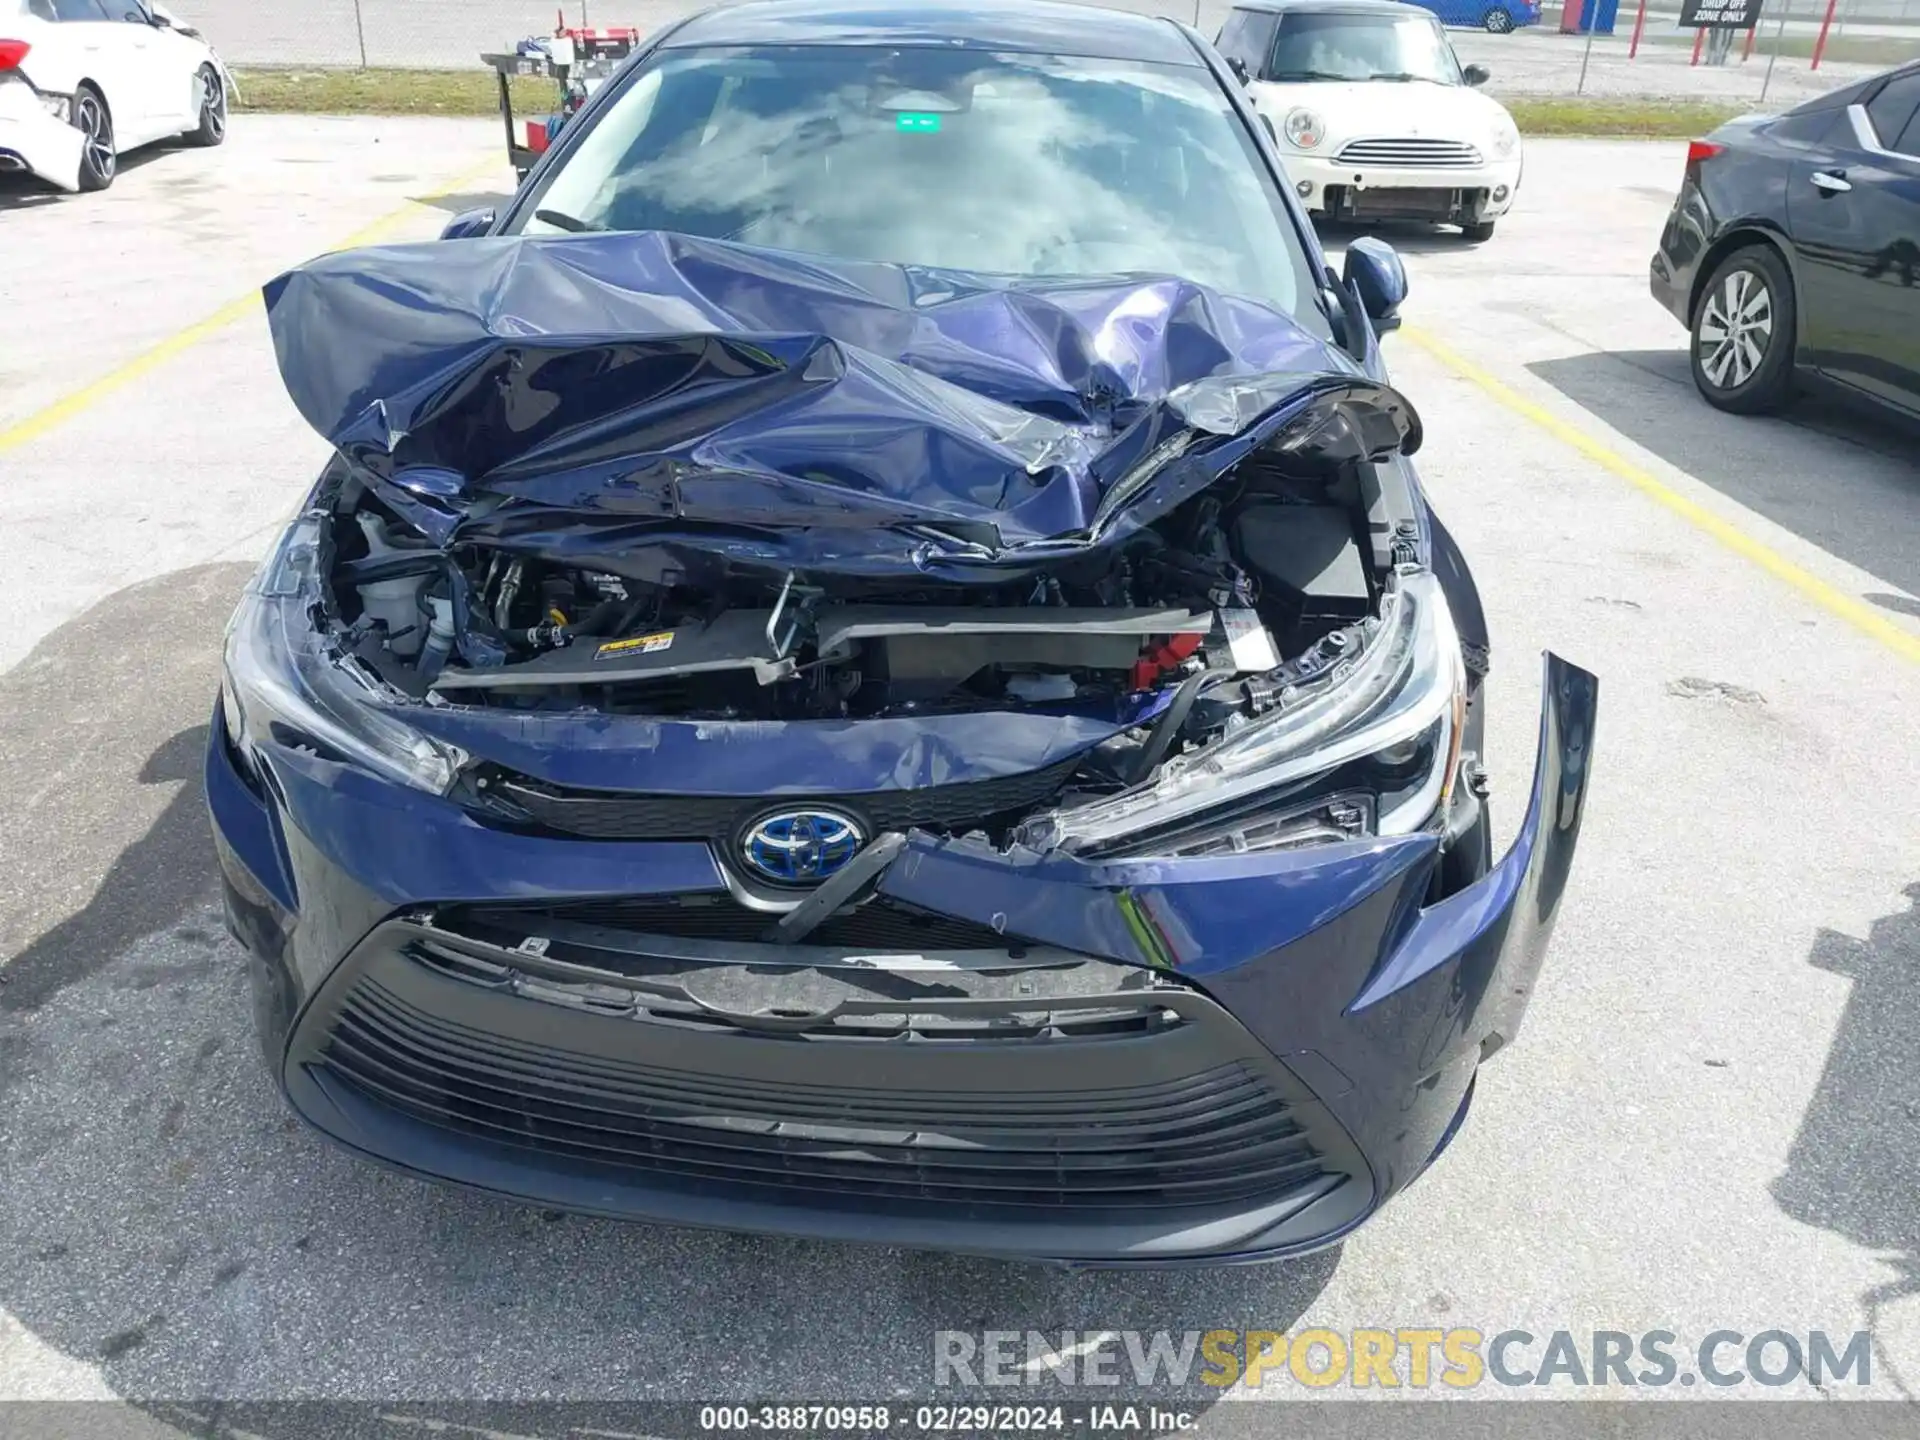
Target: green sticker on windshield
917, 122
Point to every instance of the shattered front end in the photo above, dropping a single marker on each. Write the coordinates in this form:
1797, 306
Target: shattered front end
870, 753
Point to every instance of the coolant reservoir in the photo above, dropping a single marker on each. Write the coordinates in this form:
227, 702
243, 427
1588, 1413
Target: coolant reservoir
395, 601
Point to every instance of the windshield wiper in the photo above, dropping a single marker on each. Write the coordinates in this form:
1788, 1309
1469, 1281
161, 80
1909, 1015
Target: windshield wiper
1403, 75
1311, 75
567, 222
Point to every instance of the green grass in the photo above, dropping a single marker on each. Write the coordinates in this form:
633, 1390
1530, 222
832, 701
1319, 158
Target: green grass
388, 92
1596, 116
474, 92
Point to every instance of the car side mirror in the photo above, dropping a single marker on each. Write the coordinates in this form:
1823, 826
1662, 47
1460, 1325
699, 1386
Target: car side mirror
1476, 74
467, 224
1239, 68
1374, 274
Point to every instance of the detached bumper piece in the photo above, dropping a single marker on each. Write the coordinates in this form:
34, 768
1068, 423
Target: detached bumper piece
1026, 1102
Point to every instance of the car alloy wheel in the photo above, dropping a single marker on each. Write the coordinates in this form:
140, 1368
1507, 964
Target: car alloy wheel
213, 108
1497, 21
1736, 329
98, 157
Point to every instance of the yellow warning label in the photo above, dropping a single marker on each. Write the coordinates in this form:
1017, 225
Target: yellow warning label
635, 645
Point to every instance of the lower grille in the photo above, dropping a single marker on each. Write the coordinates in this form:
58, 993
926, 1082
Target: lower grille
1190, 1125
1411, 202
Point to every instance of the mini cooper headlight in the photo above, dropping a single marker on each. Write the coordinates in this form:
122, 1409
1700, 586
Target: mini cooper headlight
1304, 129
1506, 139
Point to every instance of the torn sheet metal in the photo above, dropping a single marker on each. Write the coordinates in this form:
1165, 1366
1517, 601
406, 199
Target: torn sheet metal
672, 408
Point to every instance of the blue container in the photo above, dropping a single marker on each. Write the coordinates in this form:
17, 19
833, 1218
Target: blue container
1599, 15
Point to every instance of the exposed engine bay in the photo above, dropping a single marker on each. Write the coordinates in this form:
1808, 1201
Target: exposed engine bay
1205, 544
1270, 567
1260, 589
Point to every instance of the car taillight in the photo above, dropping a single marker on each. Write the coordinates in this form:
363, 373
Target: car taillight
12, 52
1698, 150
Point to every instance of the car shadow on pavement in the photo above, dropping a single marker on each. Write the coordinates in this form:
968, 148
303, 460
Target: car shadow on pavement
1854, 1167
26, 192
1844, 481
164, 1218
1408, 237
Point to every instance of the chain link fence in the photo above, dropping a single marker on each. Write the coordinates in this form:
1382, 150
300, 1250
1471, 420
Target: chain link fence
1777, 69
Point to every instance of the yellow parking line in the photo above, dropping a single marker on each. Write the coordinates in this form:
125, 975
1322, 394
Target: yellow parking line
65, 408
1837, 603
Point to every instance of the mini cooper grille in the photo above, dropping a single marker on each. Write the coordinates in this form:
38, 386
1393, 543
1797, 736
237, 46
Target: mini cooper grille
617, 815
1409, 152
1215, 1136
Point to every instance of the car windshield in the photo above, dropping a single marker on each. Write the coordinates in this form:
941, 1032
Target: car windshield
1333, 46
1016, 164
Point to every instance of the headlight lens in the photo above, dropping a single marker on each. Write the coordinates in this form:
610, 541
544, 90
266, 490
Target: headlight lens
287, 682
1506, 139
1304, 129
1401, 700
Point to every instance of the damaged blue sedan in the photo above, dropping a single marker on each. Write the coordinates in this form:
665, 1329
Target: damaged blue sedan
871, 663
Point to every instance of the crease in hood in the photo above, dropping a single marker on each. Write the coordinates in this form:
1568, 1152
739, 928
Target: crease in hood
658, 405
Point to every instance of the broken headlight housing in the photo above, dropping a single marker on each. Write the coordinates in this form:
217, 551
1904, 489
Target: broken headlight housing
286, 682
1398, 708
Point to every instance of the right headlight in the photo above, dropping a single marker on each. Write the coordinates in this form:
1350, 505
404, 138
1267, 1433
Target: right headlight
287, 682
1400, 708
1304, 128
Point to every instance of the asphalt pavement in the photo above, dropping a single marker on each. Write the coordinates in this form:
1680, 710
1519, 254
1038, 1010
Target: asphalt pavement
1710, 1121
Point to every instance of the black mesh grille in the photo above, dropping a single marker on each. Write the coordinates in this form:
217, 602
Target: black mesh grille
1217, 1135
615, 815
880, 924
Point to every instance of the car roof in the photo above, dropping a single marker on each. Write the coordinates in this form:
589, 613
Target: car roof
1049, 27
1343, 7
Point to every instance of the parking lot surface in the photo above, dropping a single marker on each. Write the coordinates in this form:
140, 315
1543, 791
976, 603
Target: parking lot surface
1711, 1120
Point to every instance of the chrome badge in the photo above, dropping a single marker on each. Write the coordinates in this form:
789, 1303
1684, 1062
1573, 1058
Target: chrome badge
799, 847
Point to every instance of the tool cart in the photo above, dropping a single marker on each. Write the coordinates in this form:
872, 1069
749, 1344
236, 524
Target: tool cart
578, 61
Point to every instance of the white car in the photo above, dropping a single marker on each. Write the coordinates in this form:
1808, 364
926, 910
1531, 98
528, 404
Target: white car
1374, 115
84, 81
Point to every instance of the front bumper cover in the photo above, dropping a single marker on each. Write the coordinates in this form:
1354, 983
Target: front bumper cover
1318, 1029
1364, 188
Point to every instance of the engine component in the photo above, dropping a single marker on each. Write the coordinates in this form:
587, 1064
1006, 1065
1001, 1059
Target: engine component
736, 640
433, 655
1308, 555
394, 602
1248, 643
1041, 689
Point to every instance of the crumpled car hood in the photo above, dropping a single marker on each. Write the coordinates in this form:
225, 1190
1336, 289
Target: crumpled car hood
656, 405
